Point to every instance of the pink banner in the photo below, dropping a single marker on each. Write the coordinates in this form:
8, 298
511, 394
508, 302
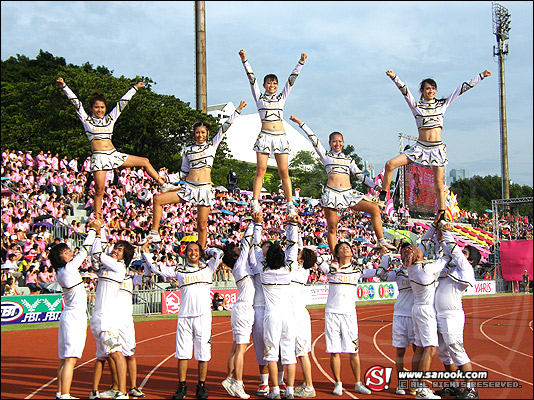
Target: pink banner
516, 257
170, 300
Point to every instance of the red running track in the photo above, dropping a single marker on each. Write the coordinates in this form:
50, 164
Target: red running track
497, 336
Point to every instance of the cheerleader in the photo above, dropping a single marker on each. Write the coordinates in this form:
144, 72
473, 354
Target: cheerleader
429, 149
99, 130
197, 162
338, 193
272, 137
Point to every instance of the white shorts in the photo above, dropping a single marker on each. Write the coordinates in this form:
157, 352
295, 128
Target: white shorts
241, 320
432, 154
197, 193
106, 160
194, 333
279, 338
341, 333
257, 335
271, 142
402, 332
107, 342
340, 199
127, 337
451, 338
302, 332
72, 333
425, 326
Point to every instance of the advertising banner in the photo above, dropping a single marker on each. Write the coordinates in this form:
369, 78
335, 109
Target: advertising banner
31, 309
170, 299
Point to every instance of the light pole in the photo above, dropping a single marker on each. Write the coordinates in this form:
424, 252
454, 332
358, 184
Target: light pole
200, 41
501, 29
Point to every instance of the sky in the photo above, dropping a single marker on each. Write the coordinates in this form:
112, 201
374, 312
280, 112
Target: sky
342, 86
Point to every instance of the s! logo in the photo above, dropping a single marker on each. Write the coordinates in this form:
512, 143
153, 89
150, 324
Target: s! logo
377, 378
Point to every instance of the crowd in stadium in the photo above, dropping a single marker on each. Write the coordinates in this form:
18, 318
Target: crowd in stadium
51, 185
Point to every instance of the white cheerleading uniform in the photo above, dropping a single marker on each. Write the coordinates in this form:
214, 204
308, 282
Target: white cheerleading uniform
429, 114
259, 298
453, 283
279, 326
341, 323
72, 330
299, 278
101, 129
193, 329
199, 156
242, 315
338, 163
104, 322
402, 330
271, 109
125, 315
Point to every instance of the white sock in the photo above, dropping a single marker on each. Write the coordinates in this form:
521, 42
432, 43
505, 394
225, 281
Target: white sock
264, 379
281, 377
239, 383
276, 390
290, 390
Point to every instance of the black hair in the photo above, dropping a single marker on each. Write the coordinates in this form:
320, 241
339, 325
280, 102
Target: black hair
404, 244
96, 96
200, 249
270, 77
198, 124
54, 255
275, 256
309, 257
334, 133
229, 257
128, 251
430, 81
338, 245
474, 255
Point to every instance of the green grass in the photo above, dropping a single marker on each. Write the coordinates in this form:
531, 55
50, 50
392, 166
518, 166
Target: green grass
143, 318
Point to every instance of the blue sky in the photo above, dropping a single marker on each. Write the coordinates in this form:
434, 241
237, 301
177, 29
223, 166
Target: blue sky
342, 87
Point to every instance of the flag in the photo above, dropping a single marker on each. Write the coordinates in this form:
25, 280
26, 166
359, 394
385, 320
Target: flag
389, 209
451, 204
378, 181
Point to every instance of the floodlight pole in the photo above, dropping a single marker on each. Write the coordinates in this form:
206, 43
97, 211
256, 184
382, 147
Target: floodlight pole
501, 27
200, 59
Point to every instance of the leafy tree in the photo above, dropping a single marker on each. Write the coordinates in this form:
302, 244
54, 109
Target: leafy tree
308, 174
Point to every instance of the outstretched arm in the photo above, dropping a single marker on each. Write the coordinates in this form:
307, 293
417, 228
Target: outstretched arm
73, 99
228, 123
403, 89
251, 77
293, 77
319, 149
123, 102
465, 86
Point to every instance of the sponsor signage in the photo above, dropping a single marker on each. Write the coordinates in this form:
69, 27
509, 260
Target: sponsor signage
31, 309
170, 300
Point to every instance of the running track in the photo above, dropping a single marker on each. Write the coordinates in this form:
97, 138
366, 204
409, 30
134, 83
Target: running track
498, 338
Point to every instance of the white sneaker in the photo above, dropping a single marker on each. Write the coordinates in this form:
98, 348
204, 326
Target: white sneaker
359, 388
227, 385
400, 391
68, 396
119, 395
108, 394
271, 395
304, 391
167, 187
239, 390
426, 393
384, 243
152, 237
291, 209
255, 206
338, 389
94, 394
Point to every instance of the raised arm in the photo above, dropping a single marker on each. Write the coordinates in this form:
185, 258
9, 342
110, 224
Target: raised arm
465, 86
216, 256
292, 234
152, 268
256, 253
403, 89
358, 173
73, 99
250, 75
226, 125
123, 102
293, 77
319, 149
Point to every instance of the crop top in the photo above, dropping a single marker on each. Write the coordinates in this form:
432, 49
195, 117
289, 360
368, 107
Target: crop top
200, 156
338, 163
429, 114
271, 107
99, 128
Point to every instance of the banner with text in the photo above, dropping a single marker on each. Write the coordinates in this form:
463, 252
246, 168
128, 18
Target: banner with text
31, 309
170, 300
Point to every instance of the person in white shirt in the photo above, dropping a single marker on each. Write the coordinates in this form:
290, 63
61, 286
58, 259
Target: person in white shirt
236, 257
104, 322
72, 330
453, 282
193, 331
338, 193
99, 130
272, 138
341, 323
429, 149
